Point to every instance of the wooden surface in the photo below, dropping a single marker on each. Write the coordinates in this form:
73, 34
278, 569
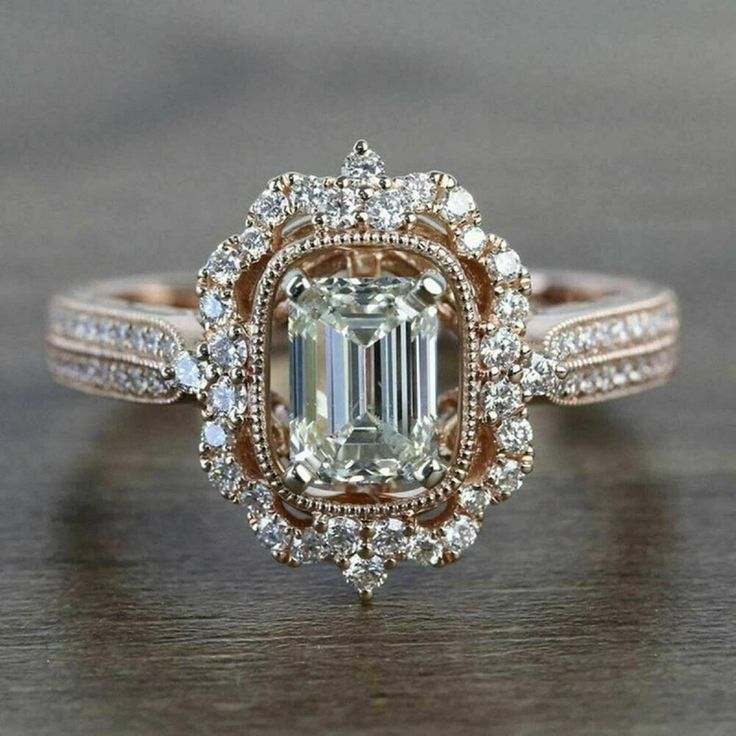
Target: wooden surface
599, 600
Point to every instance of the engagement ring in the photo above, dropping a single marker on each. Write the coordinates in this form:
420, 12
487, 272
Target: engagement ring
363, 353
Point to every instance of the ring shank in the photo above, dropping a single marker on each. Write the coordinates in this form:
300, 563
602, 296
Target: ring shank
614, 335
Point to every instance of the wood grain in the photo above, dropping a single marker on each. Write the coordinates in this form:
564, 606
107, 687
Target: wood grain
599, 600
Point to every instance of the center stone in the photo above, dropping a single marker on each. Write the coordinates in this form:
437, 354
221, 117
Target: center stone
363, 379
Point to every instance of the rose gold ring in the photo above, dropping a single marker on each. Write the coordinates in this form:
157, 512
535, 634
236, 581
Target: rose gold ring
363, 354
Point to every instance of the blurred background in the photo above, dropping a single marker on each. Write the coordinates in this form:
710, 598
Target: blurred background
595, 135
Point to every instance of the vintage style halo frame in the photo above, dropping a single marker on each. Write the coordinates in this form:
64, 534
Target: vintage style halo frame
588, 338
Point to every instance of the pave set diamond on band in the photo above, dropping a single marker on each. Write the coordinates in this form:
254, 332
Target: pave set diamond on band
364, 354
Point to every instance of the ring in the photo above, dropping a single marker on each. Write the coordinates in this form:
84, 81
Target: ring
363, 354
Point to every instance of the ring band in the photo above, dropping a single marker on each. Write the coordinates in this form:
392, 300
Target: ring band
414, 344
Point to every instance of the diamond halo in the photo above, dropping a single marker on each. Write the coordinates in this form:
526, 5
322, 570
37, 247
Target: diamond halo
425, 216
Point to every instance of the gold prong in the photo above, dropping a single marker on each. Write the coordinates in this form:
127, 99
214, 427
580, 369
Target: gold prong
297, 477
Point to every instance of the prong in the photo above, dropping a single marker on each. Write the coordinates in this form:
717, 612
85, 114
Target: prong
361, 146
431, 473
410, 221
167, 373
527, 464
297, 477
365, 596
430, 287
389, 565
515, 373
561, 371
442, 180
295, 283
237, 374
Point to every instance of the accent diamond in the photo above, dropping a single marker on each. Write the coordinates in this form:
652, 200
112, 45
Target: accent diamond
424, 547
361, 165
511, 307
255, 242
341, 209
506, 477
459, 534
500, 349
389, 537
365, 574
271, 208
458, 204
472, 241
343, 536
386, 211
188, 372
514, 435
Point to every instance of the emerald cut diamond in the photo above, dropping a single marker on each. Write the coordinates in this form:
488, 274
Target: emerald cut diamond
363, 380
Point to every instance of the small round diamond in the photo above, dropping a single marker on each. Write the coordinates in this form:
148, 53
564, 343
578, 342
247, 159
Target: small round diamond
343, 536
458, 204
255, 242
418, 191
388, 537
500, 349
227, 352
504, 265
506, 476
365, 574
212, 307
472, 240
271, 208
309, 546
459, 534
385, 210
424, 547
224, 265
273, 532
514, 435
362, 165
341, 209
225, 475
475, 500
214, 434
500, 397
187, 371
256, 500
511, 307
540, 377
308, 194
225, 396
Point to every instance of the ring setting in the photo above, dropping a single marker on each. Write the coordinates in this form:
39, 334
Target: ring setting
364, 361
